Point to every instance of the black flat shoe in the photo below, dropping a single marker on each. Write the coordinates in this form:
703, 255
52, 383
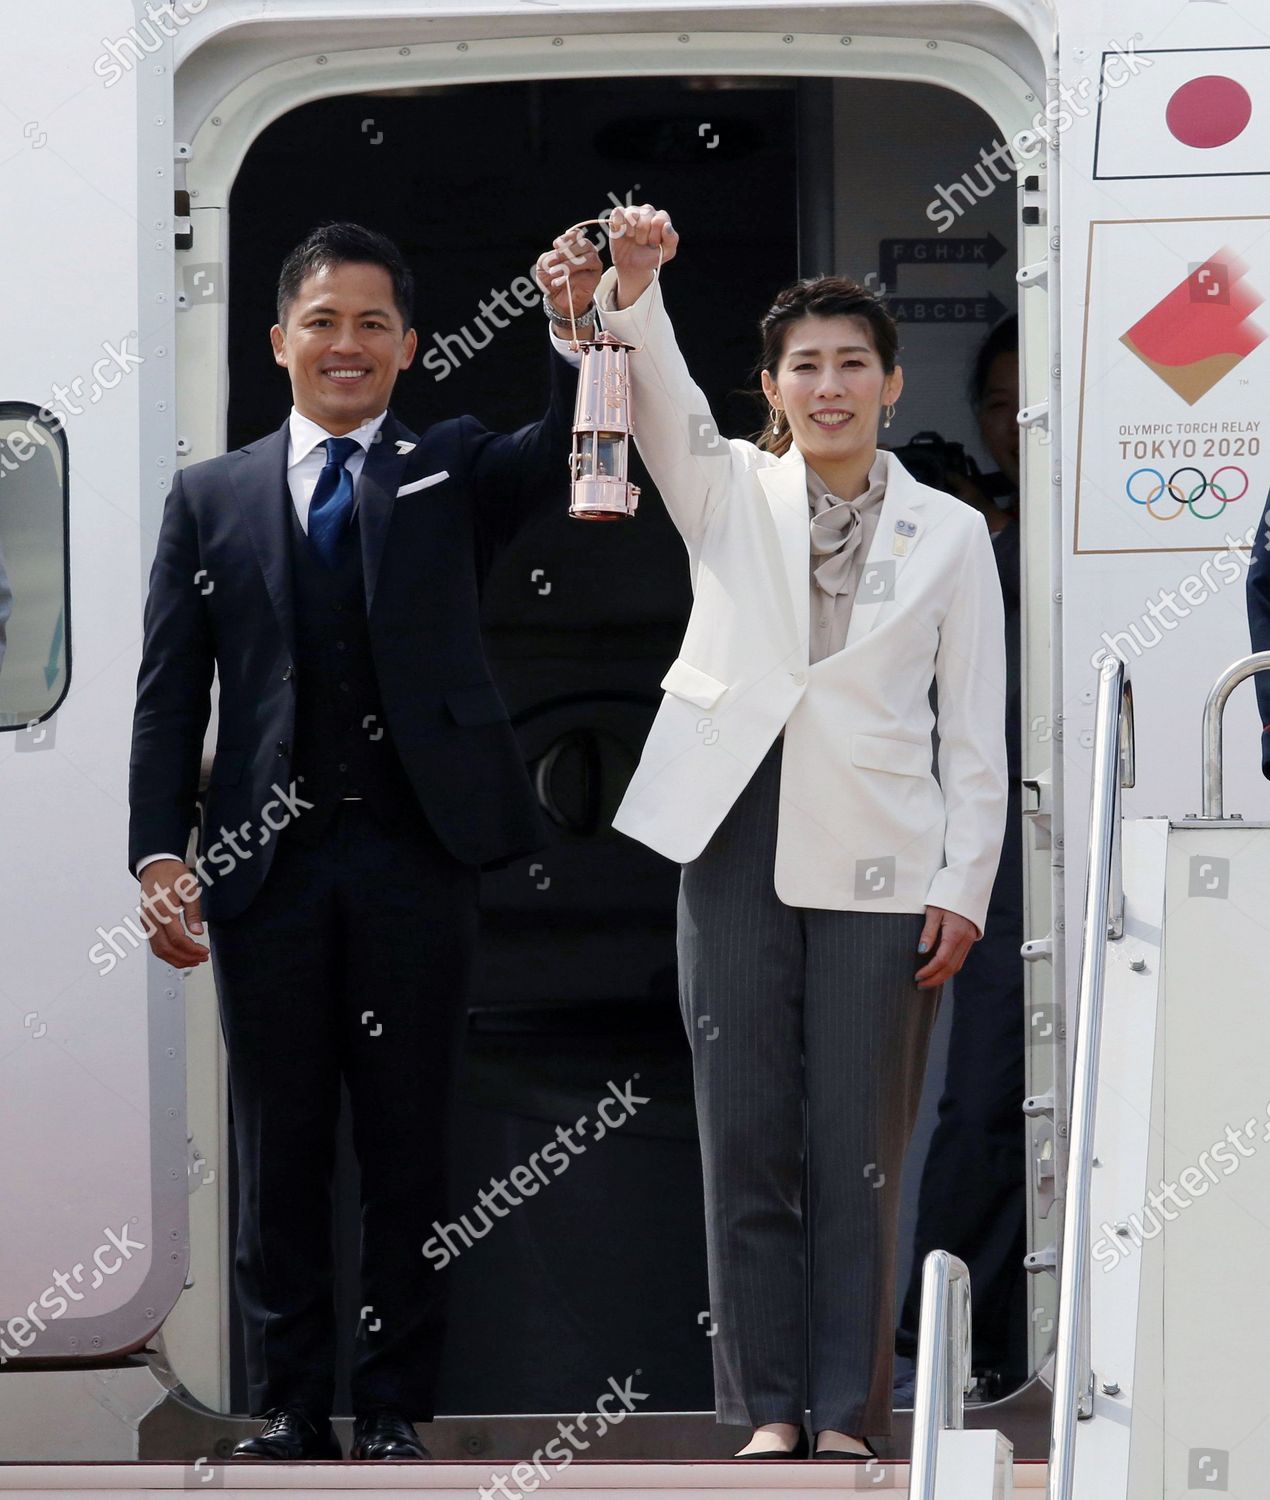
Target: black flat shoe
385, 1434
801, 1448
844, 1457
289, 1435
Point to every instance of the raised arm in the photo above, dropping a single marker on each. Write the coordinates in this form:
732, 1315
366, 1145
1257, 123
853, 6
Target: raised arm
675, 432
517, 477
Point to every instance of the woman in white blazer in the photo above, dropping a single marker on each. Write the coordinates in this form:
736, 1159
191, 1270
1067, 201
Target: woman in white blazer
831, 879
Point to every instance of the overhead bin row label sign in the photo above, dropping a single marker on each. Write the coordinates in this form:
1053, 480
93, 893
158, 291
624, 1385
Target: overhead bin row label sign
1173, 449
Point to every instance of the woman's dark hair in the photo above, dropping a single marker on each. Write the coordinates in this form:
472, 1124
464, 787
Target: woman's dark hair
1001, 338
341, 244
819, 297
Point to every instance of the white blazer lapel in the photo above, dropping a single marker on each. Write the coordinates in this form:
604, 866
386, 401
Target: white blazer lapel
901, 523
785, 485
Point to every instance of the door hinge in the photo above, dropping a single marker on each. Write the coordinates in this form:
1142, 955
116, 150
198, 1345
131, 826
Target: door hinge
183, 226
1034, 199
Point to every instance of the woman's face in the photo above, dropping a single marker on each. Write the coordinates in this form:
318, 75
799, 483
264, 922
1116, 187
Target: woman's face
832, 387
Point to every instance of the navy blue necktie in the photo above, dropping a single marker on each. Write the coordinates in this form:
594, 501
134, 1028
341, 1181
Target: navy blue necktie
332, 502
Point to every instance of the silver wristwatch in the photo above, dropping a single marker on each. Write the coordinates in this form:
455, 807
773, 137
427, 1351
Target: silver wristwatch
582, 319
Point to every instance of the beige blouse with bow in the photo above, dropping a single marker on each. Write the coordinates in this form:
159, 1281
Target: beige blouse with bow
841, 535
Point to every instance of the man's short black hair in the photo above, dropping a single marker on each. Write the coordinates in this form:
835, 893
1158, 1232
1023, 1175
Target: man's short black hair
339, 244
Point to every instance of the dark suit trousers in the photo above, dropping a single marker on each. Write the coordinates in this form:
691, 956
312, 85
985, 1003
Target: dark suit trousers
354, 958
972, 1199
809, 1039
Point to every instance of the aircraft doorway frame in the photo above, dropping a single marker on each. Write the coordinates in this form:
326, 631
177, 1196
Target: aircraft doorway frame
234, 105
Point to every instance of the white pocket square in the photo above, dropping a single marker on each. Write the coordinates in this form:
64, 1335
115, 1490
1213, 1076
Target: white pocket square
422, 484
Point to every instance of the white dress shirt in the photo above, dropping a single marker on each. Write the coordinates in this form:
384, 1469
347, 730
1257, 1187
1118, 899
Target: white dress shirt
306, 459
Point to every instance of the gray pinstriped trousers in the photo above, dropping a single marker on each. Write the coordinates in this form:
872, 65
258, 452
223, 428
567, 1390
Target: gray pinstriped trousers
808, 1035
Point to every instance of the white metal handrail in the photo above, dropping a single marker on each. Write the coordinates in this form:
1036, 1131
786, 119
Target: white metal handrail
943, 1365
1113, 768
1214, 706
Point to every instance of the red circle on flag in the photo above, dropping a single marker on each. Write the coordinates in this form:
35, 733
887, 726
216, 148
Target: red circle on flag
1209, 111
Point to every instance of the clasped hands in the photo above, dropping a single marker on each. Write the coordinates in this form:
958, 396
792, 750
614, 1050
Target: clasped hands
640, 237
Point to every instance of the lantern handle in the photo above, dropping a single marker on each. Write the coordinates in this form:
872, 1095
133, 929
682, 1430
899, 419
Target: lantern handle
603, 223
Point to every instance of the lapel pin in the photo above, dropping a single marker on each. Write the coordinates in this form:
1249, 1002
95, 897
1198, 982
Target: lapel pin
404, 447
906, 528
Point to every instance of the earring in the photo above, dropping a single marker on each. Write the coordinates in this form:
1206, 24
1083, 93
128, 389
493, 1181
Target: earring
777, 414
890, 412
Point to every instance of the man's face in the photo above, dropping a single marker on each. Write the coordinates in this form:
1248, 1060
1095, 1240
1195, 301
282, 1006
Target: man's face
343, 345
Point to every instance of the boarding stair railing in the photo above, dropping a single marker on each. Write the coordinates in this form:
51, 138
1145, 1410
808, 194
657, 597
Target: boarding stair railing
1113, 770
943, 1366
1214, 707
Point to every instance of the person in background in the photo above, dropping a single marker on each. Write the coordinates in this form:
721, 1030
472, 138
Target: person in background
6, 607
972, 1200
1258, 606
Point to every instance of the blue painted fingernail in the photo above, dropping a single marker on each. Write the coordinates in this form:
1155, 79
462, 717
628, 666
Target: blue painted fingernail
922, 947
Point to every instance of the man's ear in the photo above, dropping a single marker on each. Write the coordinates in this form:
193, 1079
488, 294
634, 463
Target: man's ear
279, 341
408, 346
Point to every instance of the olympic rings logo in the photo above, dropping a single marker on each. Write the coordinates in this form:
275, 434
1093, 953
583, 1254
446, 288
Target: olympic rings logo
1147, 486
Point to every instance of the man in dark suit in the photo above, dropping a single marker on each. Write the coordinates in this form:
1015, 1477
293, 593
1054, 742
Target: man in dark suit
365, 768
6, 606
1258, 602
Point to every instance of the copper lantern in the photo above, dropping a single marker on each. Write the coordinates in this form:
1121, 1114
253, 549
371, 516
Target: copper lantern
599, 489
601, 431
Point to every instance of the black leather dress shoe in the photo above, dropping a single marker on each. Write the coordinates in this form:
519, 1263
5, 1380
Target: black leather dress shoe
802, 1445
290, 1435
845, 1457
385, 1434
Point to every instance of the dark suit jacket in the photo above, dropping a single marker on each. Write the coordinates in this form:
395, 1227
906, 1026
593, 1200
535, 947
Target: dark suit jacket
220, 596
1258, 598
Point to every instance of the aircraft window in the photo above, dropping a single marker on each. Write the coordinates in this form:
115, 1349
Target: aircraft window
34, 570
